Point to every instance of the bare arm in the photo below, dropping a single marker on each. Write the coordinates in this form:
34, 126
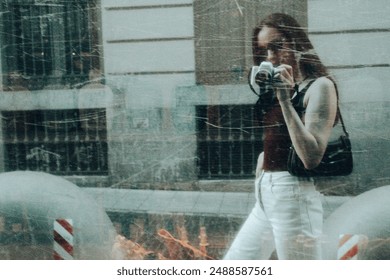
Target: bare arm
311, 137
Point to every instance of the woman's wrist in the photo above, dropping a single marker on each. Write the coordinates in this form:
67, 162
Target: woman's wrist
285, 101
284, 95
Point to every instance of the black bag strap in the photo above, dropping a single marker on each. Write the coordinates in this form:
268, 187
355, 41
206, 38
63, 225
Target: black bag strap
297, 101
341, 118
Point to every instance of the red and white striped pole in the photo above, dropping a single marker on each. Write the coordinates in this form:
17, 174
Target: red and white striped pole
63, 239
351, 245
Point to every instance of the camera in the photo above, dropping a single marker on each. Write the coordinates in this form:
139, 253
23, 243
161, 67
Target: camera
261, 81
262, 78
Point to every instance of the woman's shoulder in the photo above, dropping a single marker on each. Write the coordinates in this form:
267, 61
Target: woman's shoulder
322, 87
324, 83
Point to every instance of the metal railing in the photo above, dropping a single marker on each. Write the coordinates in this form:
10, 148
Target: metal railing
228, 139
63, 142
48, 43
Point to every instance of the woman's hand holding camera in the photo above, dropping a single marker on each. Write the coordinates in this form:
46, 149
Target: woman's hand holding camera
283, 82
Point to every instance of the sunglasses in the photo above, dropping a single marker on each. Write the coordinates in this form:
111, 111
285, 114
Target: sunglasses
277, 44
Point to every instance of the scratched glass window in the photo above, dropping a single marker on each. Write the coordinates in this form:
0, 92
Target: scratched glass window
129, 131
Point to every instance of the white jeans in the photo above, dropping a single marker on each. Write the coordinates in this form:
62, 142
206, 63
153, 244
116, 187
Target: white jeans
287, 217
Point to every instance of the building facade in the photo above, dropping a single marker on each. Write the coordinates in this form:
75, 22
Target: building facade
153, 94
143, 95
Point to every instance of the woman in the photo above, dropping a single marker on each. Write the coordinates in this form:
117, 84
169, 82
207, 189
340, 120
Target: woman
287, 215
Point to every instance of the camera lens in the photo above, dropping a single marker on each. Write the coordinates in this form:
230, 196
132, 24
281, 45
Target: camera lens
265, 73
262, 77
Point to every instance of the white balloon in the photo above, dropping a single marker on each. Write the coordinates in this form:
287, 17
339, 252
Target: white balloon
30, 202
366, 215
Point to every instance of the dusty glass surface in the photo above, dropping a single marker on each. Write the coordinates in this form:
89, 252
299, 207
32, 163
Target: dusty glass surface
129, 131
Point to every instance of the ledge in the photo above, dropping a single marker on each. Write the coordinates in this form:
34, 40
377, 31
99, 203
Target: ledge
190, 203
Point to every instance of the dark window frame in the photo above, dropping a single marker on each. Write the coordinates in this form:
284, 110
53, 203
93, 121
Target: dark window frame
228, 141
49, 43
60, 142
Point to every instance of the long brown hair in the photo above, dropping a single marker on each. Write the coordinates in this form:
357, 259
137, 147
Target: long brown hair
309, 62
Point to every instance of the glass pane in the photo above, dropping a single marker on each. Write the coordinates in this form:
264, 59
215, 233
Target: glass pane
131, 126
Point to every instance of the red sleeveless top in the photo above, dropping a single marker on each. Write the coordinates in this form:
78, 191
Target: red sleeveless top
276, 140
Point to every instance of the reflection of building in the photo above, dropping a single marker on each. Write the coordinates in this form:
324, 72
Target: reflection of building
175, 74
175, 111
50, 51
57, 48
50, 42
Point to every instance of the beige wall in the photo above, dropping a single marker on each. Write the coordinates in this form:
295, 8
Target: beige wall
352, 37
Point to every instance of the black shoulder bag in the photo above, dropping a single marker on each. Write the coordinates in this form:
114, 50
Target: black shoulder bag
337, 159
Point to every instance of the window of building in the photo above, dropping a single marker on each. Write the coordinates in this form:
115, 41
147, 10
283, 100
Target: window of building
223, 36
228, 141
63, 142
47, 42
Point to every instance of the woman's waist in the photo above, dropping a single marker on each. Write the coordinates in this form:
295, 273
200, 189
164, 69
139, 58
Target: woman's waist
283, 177
275, 159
